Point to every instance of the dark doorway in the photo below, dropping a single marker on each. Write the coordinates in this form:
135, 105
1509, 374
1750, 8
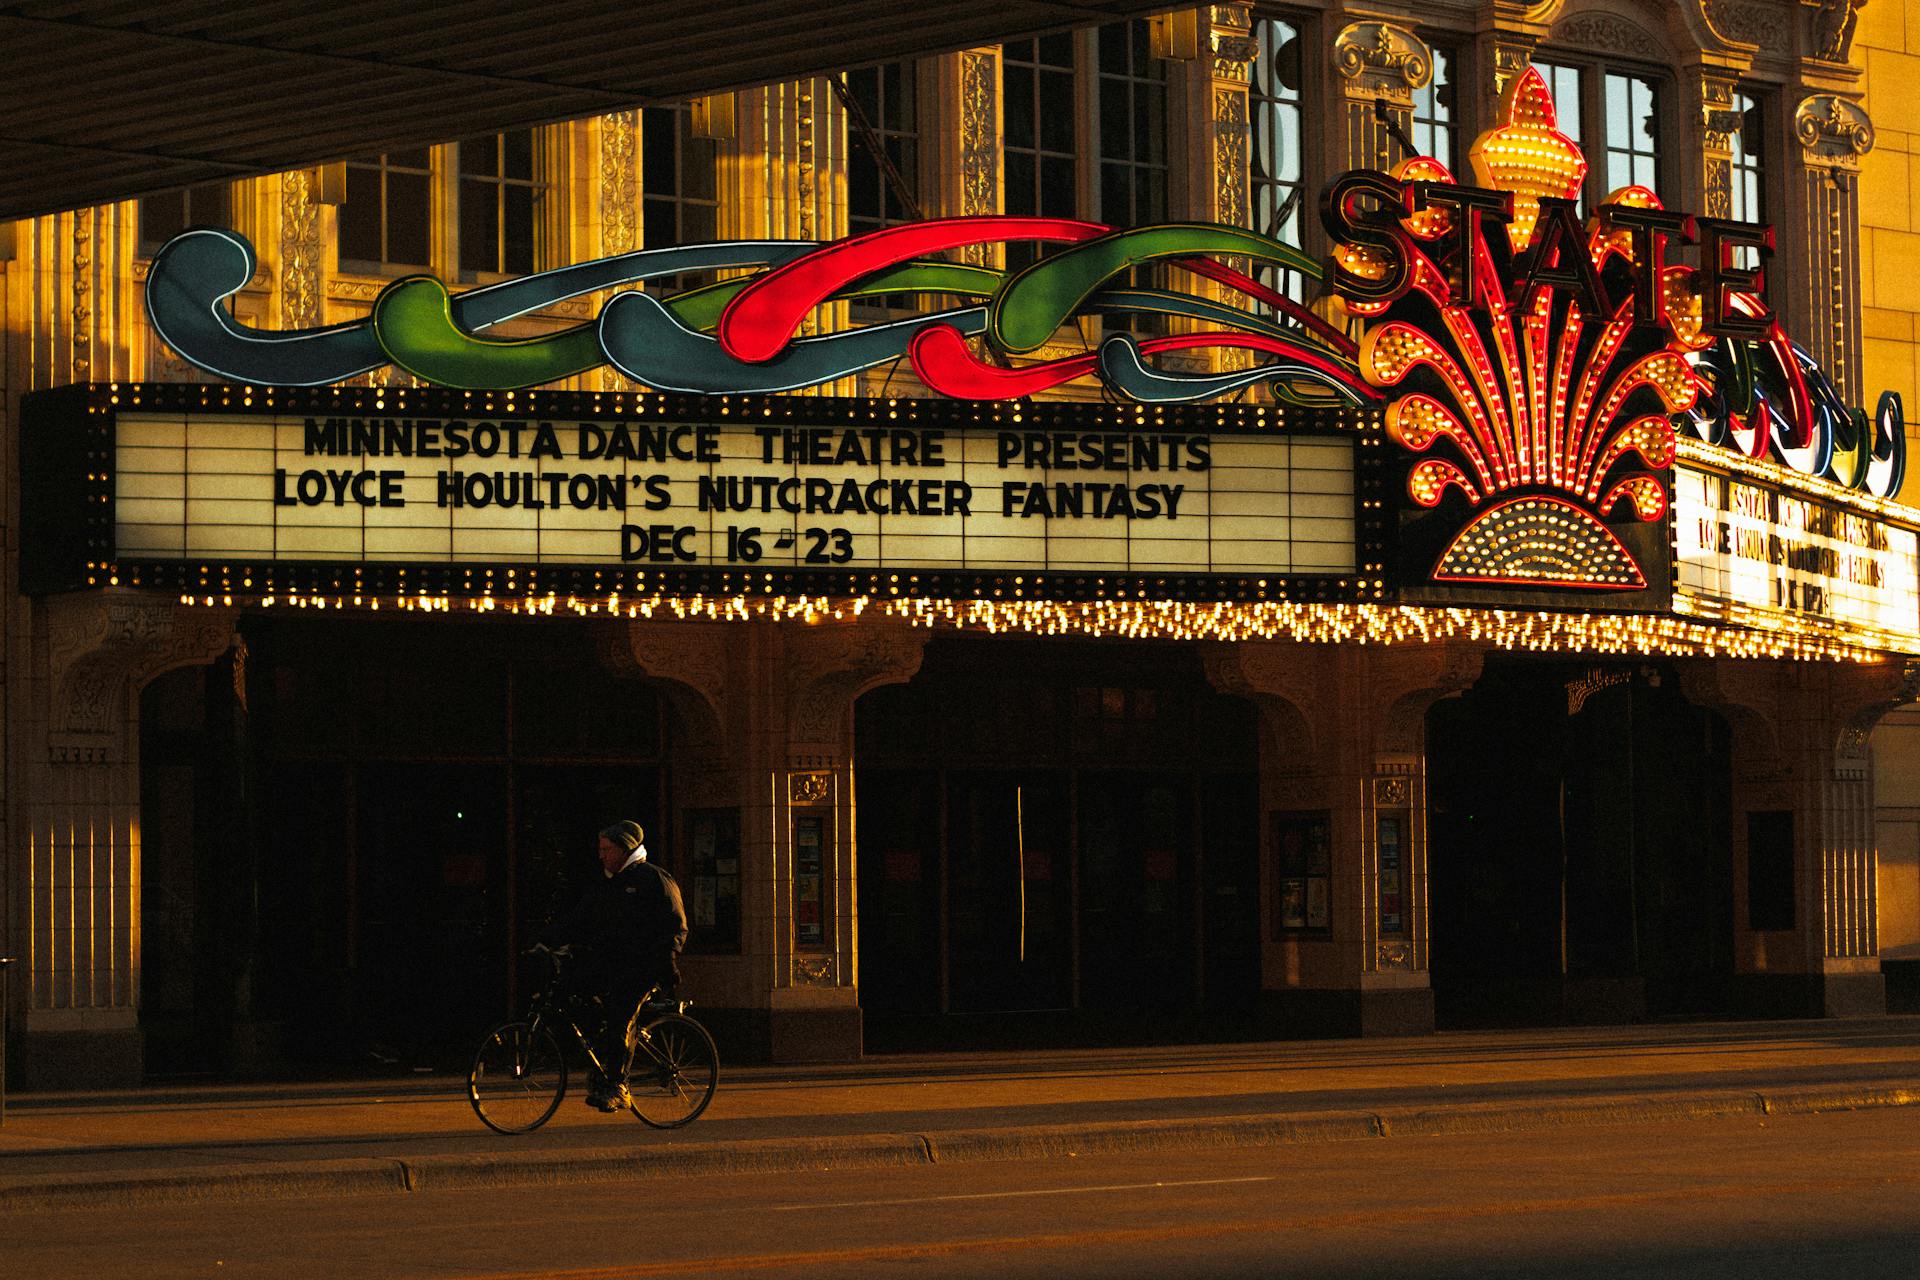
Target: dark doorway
1054, 839
359, 836
1580, 864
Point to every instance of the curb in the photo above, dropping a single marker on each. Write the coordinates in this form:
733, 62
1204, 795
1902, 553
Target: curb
375, 1176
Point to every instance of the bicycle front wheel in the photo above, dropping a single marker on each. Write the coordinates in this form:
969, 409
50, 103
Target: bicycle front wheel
518, 1078
675, 1071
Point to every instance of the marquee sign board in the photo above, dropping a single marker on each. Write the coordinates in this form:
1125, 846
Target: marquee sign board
199, 490
1756, 550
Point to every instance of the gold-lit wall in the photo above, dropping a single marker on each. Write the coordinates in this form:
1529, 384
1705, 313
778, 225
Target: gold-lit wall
1887, 46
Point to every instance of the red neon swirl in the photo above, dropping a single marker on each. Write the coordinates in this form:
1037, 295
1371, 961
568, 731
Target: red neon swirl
757, 325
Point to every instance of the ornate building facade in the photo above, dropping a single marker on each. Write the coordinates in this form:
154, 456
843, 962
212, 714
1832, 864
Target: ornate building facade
238, 838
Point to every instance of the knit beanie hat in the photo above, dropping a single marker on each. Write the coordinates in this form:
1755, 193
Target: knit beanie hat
627, 835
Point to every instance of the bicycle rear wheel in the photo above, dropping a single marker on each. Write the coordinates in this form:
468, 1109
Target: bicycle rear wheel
675, 1070
518, 1078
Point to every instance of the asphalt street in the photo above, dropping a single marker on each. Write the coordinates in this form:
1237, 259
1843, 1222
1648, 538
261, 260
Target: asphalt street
1796, 1196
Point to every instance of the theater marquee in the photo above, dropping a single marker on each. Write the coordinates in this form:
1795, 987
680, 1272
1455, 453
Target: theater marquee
1761, 550
556, 482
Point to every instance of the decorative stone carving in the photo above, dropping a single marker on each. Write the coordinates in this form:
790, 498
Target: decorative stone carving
1608, 33
829, 667
1585, 686
1833, 29
83, 227
1394, 955
1892, 684
1753, 24
1233, 49
100, 649
689, 658
810, 788
979, 141
1230, 157
1381, 60
1717, 113
1390, 792
1833, 132
1408, 681
299, 251
814, 971
1509, 60
619, 182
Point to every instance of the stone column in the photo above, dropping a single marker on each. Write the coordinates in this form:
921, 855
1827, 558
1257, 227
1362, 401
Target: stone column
1823, 218
1343, 731
764, 723
77, 822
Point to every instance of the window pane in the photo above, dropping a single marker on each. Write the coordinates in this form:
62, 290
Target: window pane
678, 186
517, 237
699, 158
1056, 111
480, 156
1619, 113
1749, 159
518, 149
1057, 196
1564, 84
882, 94
1017, 92
479, 226
407, 219
1433, 112
360, 216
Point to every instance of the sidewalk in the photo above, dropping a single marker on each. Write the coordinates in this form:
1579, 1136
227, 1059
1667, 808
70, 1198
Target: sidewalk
417, 1132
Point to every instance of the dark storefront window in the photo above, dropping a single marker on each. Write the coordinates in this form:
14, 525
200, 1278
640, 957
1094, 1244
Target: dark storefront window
384, 819
1034, 817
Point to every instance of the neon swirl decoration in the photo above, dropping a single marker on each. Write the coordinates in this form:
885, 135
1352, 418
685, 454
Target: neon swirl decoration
745, 334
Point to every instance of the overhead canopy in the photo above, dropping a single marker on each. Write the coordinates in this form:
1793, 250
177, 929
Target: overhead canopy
108, 99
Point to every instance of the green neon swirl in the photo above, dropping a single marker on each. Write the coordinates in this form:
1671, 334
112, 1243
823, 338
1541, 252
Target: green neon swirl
413, 322
1040, 299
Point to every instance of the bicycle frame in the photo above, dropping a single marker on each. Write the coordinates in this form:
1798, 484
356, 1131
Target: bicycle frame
540, 1008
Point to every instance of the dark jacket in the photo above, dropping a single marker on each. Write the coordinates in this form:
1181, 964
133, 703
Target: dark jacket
633, 922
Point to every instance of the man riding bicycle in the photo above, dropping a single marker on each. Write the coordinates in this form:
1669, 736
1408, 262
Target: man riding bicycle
625, 934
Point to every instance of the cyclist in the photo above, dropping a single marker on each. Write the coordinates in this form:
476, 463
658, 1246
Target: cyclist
625, 934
